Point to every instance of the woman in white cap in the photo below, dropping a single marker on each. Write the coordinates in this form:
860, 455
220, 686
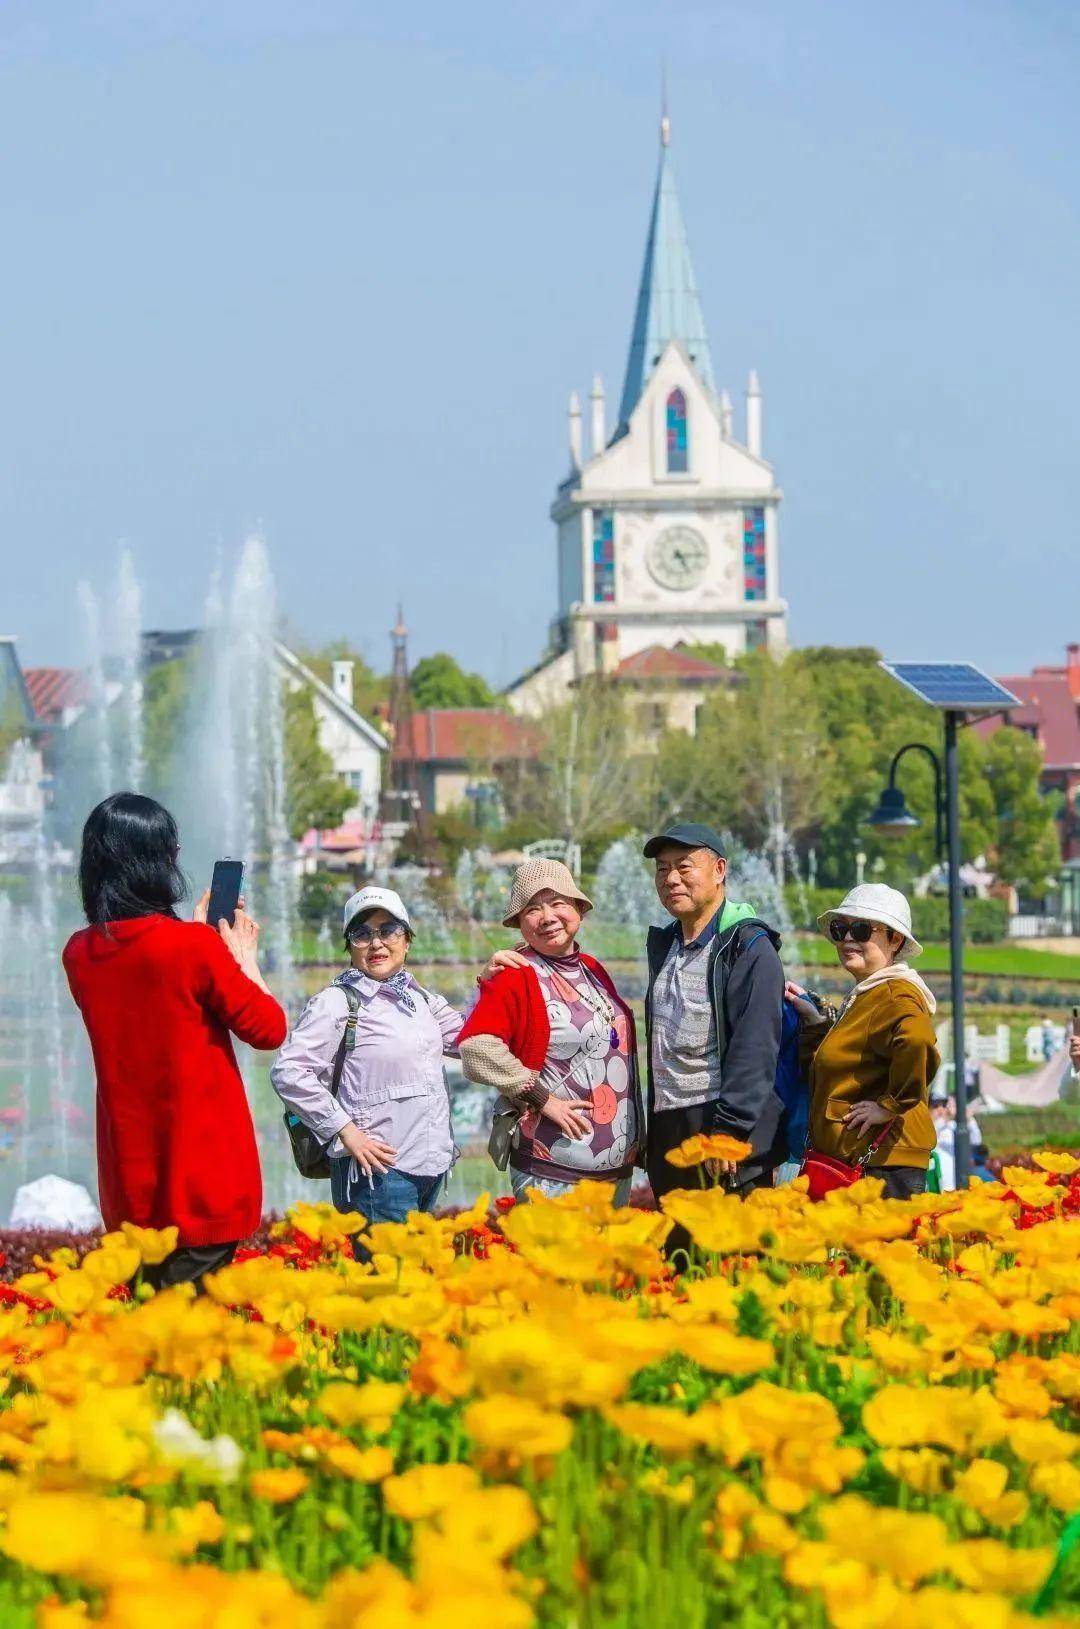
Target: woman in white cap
552, 1034
387, 1133
871, 1070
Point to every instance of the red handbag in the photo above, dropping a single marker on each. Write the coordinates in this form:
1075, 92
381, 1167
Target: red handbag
825, 1172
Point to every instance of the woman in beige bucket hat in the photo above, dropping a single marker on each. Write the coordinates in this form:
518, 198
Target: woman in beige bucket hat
552, 1034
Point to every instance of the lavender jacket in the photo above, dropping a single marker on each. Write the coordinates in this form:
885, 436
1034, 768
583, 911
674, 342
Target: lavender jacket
392, 1085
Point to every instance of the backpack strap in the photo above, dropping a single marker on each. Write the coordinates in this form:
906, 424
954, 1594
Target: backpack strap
348, 1039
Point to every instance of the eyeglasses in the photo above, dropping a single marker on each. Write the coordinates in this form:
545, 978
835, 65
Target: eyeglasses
365, 933
840, 929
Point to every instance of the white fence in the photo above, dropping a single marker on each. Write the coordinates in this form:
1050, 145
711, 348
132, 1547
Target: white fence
1041, 927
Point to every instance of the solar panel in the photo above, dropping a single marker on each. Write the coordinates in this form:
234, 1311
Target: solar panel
953, 686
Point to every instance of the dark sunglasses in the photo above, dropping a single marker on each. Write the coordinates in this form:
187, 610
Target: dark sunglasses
365, 933
840, 929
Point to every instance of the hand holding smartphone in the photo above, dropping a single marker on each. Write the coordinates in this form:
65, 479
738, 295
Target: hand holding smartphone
225, 886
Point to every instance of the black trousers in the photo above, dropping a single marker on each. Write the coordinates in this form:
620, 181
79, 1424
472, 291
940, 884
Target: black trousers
901, 1181
667, 1129
188, 1264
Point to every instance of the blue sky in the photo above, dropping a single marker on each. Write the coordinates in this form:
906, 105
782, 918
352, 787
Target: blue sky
330, 270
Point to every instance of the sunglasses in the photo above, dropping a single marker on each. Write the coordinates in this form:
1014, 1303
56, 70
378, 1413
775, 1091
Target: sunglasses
841, 929
365, 933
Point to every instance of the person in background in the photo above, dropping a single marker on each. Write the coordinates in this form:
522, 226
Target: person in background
1074, 1052
552, 1034
388, 1131
160, 999
1047, 1035
871, 1070
713, 1013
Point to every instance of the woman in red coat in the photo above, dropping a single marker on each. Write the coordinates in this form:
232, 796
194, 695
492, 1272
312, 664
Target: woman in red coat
159, 998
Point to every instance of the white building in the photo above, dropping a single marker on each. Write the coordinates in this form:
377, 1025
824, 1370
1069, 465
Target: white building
354, 746
667, 527
22, 783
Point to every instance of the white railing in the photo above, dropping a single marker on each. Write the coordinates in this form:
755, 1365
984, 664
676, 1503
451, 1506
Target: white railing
1041, 927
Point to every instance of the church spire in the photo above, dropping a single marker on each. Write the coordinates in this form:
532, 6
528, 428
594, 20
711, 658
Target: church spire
667, 304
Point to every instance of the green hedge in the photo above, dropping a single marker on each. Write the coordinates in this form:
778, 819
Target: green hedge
985, 920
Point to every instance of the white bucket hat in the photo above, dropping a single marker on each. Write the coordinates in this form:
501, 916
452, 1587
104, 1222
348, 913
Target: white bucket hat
375, 899
874, 902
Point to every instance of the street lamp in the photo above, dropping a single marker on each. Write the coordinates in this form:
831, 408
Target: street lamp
959, 692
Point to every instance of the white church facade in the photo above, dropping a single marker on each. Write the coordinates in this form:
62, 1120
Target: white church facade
667, 527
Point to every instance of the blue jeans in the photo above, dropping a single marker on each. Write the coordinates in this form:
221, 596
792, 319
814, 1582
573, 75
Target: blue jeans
386, 1197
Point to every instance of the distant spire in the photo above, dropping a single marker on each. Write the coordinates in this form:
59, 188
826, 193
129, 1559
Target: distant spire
668, 306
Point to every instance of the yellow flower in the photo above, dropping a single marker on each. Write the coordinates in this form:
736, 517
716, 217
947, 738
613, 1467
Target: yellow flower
921, 1468
1058, 1482
514, 1425
192, 1525
982, 1486
425, 1489
1041, 1441
989, 1564
657, 1481
668, 1429
372, 1405
907, 1545
278, 1487
1057, 1163
153, 1244
723, 1353
359, 1464
911, 1416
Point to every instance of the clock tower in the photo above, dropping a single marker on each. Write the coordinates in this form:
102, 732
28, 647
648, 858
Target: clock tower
667, 523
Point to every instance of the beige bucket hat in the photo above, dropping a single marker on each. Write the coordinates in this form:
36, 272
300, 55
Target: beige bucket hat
532, 878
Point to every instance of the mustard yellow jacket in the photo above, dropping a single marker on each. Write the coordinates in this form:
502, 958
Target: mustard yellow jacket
882, 1048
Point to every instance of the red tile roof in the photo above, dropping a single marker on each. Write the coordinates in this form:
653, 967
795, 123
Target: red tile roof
665, 662
459, 734
1050, 711
52, 689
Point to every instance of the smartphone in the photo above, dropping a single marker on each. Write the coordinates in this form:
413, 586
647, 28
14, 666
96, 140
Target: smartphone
1076, 1021
225, 886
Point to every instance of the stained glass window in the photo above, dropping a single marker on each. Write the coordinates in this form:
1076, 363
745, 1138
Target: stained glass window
603, 548
678, 444
754, 553
756, 634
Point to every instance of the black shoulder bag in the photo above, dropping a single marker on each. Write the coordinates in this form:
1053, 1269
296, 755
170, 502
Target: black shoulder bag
309, 1154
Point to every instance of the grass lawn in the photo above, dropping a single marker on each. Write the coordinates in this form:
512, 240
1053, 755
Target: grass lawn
1002, 961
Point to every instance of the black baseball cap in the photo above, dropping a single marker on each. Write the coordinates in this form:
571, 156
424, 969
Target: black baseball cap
687, 832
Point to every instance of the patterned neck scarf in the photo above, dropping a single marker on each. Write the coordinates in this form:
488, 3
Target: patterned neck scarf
397, 983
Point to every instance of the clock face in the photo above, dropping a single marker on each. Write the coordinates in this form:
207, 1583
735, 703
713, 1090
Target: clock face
678, 558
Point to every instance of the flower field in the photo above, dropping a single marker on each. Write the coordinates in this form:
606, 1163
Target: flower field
854, 1414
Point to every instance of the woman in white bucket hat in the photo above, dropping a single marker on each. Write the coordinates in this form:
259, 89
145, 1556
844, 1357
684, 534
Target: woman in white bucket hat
871, 1070
387, 1132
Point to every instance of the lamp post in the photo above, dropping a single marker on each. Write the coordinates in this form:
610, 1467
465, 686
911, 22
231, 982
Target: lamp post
892, 817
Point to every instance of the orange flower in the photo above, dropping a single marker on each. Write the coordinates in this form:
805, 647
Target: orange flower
278, 1487
707, 1146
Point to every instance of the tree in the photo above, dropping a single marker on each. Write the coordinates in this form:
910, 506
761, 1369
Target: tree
757, 764
585, 778
314, 794
1025, 849
438, 681
864, 718
369, 688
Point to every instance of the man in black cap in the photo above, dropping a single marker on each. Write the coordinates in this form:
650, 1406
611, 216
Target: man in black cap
713, 1017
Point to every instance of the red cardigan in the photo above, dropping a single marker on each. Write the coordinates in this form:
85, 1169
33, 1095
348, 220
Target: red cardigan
512, 1007
175, 1139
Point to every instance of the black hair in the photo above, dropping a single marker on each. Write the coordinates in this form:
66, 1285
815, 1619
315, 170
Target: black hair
128, 865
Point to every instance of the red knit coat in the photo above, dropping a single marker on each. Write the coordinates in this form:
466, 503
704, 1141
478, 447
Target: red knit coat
512, 1007
175, 1139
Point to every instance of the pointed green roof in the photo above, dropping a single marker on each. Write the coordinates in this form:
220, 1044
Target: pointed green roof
668, 306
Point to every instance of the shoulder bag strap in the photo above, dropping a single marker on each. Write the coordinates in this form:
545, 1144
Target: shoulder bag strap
348, 1039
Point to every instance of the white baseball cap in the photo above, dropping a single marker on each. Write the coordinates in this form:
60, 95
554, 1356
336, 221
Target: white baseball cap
874, 902
375, 899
